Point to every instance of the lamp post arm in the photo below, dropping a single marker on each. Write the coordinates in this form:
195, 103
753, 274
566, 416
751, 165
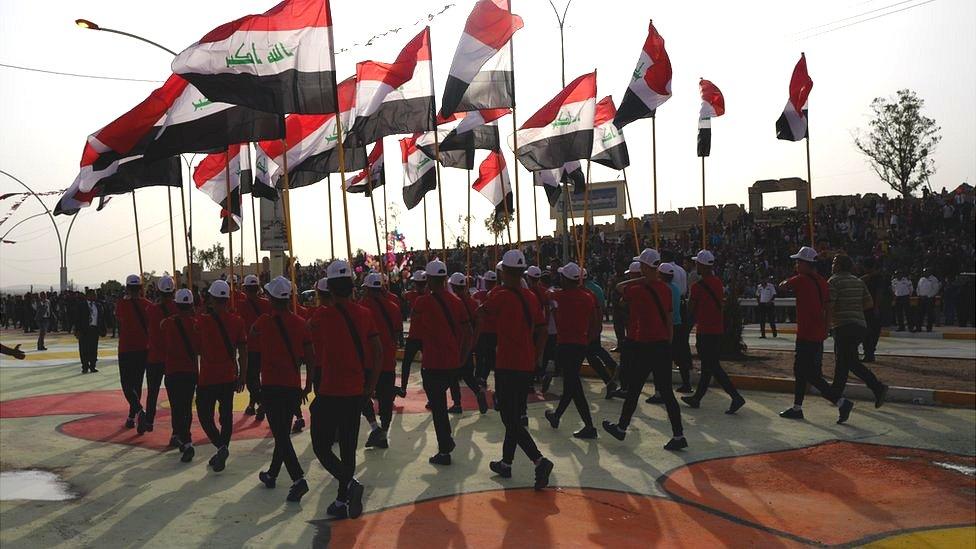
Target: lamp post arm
137, 37
46, 209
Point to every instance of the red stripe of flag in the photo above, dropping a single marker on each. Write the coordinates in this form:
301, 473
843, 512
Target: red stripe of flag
286, 16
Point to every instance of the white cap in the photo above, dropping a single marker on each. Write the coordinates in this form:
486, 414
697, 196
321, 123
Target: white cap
533, 272
133, 280
419, 276
499, 265
490, 276
570, 271
184, 296
514, 259
634, 267
165, 284
436, 268
373, 280
251, 280
705, 258
649, 257
278, 288
338, 269
666, 269
457, 279
219, 288
806, 253
322, 285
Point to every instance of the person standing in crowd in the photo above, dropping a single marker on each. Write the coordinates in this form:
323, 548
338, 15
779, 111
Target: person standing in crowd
155, 367
577, 320
353, 347
413, 344
927, 290
707, 303
875, 284
487, 342
43, 317
223, 361
132, 314
284, 344
812, 318
459, 287
90, 324
250, 309
181, 364
445, 330
849, 299
650, 331
389, 325
766, 306
901, 286
521, 342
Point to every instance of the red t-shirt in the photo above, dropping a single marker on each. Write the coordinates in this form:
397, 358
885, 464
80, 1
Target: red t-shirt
411, 298
441, 335
278, 367
216, 365
178, 359
387, 326
646, 321
156, 314
516, 335
574, 314
488, 322
343, 371
708, 313
249, 311
810, 303
133, 326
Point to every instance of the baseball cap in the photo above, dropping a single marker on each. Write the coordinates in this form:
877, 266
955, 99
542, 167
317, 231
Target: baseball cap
184, 296
165, 284
251, 280
338, 269
373, 280
570, 270
490, 276
666, 269
634, 267
278, 288
133, 280
419, 276
704, 257
806, 253
219, 288
649, 257
514, 259
436, 268
457, 279
533, 272
322, 285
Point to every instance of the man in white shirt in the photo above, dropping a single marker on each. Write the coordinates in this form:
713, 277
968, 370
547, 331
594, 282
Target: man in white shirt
928, 289
766, 306
901, 286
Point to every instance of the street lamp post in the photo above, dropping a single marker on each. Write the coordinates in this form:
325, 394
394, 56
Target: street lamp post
61, 250
86, 24
563, 219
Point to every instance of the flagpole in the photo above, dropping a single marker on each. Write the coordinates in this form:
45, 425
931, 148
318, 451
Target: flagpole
287, 208
426, 239
342, 155
703, 222
241, 279
189, 232
437, 146
633, 219
508, 217
535, 218
586, 210
376, 227
254, 227
809, 192
172, 235
467, 269
230, 234
328, 190
188, 246
572, 218
657, 233
135, 215
518, 203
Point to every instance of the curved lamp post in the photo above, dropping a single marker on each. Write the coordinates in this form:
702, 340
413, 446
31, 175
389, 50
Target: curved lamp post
90, 25
61, 245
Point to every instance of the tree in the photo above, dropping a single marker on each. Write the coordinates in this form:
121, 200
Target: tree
900, 142
213, 258
112, 287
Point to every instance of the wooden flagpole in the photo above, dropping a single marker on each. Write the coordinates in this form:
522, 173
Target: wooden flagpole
467, 269
572, 218
135, 215
657, 231
703, 222
287, 207
230, 234
437, 149
376, 226
426, 239
172, 235
508, 218
189, 229
518, 204
328, 190
241, 279
254, 227
186, 235
810, 193
586, 211
633, 219
535, 217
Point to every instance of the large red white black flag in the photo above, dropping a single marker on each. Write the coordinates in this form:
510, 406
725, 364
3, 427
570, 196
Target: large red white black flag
792, 124
713, 104
372, 176
609, 147
211, 177
280, 61
551, 181
126, 174
562, 130
419, 175
493, 183
460, 135
481, 74
650, 84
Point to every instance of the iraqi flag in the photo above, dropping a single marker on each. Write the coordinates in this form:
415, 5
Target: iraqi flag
552, 181
562, 130
127, 174
281, 61
398, 97
609, 147
419, 175
461, 134
481, 74
650, 83
493, 184
211, 177
713, 104
792, 124
372, 177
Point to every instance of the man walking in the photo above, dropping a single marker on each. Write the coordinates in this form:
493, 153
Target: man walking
181, 363
389, 325
459, 286
132, 314
766, 306
43, 317
413, 343
875, 284
155, 368
90, 324
250, 309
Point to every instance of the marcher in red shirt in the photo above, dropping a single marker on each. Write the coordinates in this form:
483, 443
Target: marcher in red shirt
348, 332
706, 304
159, 311
458, 284
487, 342
132, 313
389, 324
650, 327
250, 308
812, 318
577, 320
533, 276
285, 344
223, 361
521, 341
413, 344
182, 344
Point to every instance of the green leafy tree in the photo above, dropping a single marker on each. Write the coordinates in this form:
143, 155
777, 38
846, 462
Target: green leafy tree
112, 287
213, 258
900, 142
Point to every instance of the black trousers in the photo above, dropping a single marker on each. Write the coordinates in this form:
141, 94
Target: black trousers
465, 374
336, 418
548, 353
436, 385
709, 349
808, 369
512, 388
88, 347
600, 360
179, 390
626, 361
485, 354
681, 352
253, 377
384, 398
872, 334
280, 404
220, 395
132, 369
410, 350
926, 313
154, 380
847, 338
652, 358
766, 313
901, 310
570, 357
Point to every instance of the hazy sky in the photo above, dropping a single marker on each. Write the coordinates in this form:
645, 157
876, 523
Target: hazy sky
748, 49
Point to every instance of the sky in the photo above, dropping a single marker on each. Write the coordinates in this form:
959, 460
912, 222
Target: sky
748, 49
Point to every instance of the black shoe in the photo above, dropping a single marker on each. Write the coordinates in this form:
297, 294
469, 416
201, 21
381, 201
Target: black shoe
868, 358
456, 409
494, 401
268, 480
845, 411
298, 489
188, 453
130, 422
149, 427
400, 392
354, 506
791, 413
440, 459
377, 439
259, 413
249, 411
93, 370
542, 471
338, 510
614, 430
546, 383
141, 422
611, 390
219, 460
737, 403
298, 426
691, 401
482, 402
879, 396
654, 399
676, 444
762, 336
501, 468
586, 433
774, 334
686, 389
525, 421
552, 418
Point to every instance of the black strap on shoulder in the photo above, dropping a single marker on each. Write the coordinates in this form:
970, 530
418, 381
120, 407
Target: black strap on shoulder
816, 284
447, 312
525, 306
223, 334
186, 339
284, 336
140, 315
164, 305
254, 305
356, 340
657, 303
386, 317
708, 290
